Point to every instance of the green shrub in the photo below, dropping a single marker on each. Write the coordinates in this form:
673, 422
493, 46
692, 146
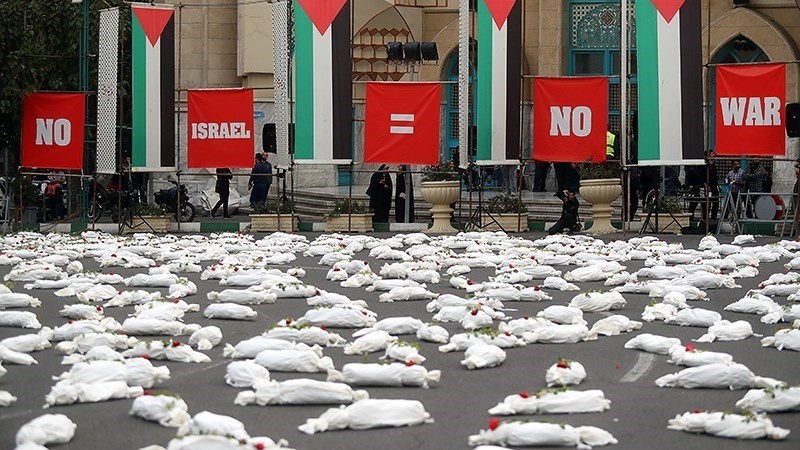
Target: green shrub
444, 171
506, 204
347, 206
272, 206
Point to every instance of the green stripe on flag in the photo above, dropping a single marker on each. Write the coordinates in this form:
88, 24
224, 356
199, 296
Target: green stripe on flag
139, 62
647, 54
304, 91
484, 100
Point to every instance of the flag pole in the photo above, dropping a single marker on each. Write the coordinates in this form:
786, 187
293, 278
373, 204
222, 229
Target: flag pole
623, 99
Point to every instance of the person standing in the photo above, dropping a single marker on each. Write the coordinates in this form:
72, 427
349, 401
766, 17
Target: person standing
569, 213
223, 188
401, 196
754, 180
380, 194
735, 182
260, 180
54, 194
541, 168
612, 144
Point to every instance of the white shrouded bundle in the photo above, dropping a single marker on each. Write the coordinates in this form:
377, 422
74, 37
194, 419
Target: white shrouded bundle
690, 292
83, 343
745, 272
562, 315
27, 343
557, 334
660, 272
788, 313
779, 290
294, 360
369, 413
703, 280
743, 239
461, 341
659, 311
19, 319
652, 343
540, 272
135, 326
676, 299
170, 351
214, 442
394, 326
779, 399
518, 327
167, 410
725, 330
695, 317
98, 293
392, 375
16, 300
691, 357
183, 288
159, 310
208, 423
338, 317
34, 272
251, 347
299, 391
478, 317
14, 357
389, 284
3, 370
47, 429
137, 297
565, 373
254, 295
619, 278
6, 398
407, 293
403, 352
559, 284
788, 339
309, 335
325, 298
82, 311
512, 276
244, 374
613, 326
206, 338
447, 300
374, 341
147, 280
483, 355
727, 425
229, 311
433, 333
540, 434
754, 303
713, 376
598, 301
67, 393
135, 372
553, 401
586, 274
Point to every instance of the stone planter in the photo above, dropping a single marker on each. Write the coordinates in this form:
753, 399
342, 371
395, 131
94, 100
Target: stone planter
663, 220
273, 222
511, 222
358, 223
440, 194
159, 224
600, 193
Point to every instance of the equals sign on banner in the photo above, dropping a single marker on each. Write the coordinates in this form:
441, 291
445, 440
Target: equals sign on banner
394, 129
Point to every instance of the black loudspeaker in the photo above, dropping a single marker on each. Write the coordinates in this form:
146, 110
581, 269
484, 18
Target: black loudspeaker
429, 51
291, 139
394, 51
741, 2
793, 119
411, 50
269, 139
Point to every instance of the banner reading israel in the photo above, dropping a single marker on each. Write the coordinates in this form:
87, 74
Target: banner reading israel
323, 91
499, 90
670, 83
748, 105
570, 117
153, 80
220, 128
52, 130
402, 123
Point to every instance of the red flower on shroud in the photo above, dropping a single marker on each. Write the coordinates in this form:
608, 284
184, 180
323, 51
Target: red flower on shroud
523, 394
260, 446
176, 343
323, 327
474, 312
470, 282
690, 347
562, 365
409, 363
288, 321
494, 422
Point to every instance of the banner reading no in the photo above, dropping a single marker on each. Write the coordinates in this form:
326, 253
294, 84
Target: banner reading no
52, 130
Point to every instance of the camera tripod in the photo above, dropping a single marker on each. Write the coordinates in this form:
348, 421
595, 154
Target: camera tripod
654, 204
476, 219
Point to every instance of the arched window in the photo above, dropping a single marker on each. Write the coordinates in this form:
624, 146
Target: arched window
594, 48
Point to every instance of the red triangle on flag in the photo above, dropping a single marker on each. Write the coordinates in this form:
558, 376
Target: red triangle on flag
152, 20
668, 8
322, 12
499, 9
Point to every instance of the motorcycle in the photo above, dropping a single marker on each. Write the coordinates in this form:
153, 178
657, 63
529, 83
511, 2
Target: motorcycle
103, 199
168, 199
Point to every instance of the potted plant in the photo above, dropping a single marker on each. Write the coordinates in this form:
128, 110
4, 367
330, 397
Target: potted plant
274, 215
146, 217
441, 187
349, 215
668, 208
600, 185
508, 212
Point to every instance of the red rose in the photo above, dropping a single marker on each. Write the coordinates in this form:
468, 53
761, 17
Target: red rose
323, 327
176, 343
469, 282
562, 365
508, 334
698, 411
364, 313
474, 312
689, 347
510, 266
536, 288
494, 422
235, 269
145, 356
288, 321
175, 300
147, 392
409, 363
99, 308
70, 322
318, 292
260, 446
213, 268
523, 394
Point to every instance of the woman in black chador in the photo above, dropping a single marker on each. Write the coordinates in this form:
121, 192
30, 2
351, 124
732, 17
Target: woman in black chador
380, 194
223, 188
401, 196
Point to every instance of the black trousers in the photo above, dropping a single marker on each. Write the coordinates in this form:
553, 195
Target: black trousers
223, 201
540, 170
565, 222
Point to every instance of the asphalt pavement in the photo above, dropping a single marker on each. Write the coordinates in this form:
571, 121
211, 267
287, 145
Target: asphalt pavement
458, 404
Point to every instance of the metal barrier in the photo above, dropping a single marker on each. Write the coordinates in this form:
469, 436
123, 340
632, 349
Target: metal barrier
752, 208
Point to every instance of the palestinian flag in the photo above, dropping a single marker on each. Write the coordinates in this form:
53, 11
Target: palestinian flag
323, 89
499, 87
670, 82
153, 43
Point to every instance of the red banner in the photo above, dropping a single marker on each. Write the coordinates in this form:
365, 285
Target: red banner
570, 119
220, 129
402, 123
52, 130
748, 106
